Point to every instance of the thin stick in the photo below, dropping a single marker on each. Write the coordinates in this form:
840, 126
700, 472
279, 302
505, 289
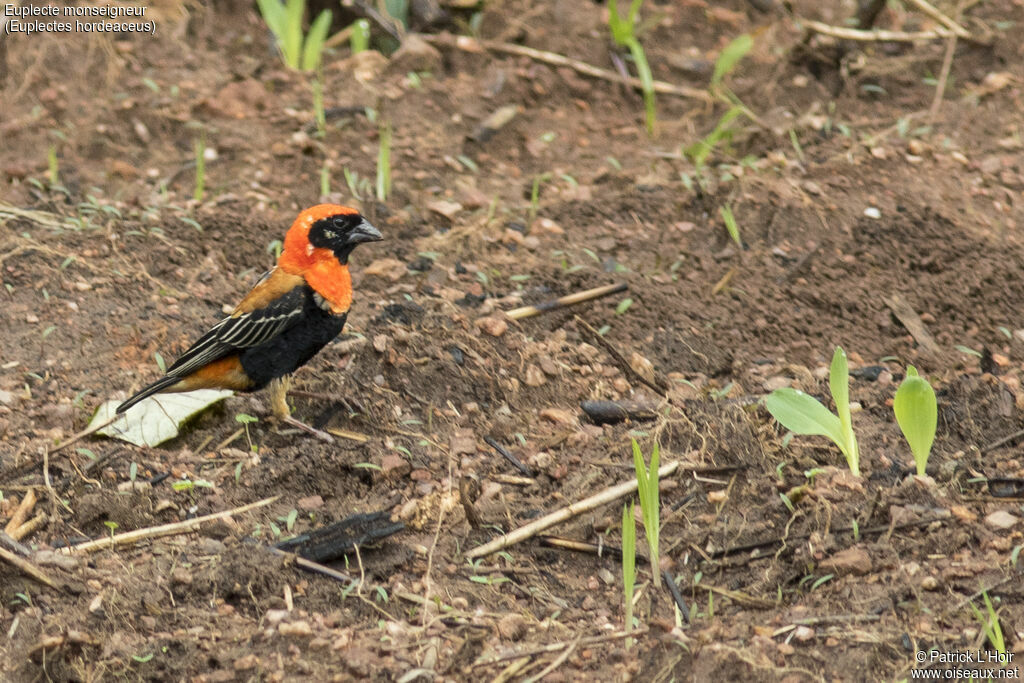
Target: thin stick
26, 567
185, 527
21, 514
554, 647
346, 434
535, 527
584, 547
30, 527
874, 35
472, 45
12, 545
86, 432
558, 661
940, 88
938, 16
567, 300
508, 456
947, 61
1001, 442
737, 596
231, 439
616, 356
512, 480
677, 597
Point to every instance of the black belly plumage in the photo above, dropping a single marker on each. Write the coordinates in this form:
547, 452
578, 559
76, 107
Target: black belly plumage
293, 347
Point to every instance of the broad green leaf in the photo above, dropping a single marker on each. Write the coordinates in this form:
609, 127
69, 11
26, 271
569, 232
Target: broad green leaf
802, 414
273, 15
917, 415
156, 419
839, 385
292, 38
314, 47
731, 56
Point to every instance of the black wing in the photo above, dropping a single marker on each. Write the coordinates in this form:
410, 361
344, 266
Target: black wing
242, 332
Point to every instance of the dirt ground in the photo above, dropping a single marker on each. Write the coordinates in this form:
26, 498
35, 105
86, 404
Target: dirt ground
853, 189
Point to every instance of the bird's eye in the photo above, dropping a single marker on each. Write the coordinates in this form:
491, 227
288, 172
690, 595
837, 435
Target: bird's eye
340, 222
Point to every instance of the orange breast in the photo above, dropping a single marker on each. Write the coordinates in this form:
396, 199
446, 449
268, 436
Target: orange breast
332, 281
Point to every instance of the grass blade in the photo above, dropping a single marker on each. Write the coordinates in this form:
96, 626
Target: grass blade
839, 385
730, 57
312, 51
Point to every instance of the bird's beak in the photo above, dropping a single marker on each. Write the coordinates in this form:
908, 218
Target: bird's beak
364, 232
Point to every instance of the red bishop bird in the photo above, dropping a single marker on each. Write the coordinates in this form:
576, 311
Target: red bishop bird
293, 311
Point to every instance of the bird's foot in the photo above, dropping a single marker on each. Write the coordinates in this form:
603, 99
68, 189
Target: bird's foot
302, 426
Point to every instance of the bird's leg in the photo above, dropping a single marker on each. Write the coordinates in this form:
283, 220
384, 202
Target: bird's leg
279, 404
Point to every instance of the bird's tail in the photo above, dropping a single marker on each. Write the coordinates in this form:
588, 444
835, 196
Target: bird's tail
154, 388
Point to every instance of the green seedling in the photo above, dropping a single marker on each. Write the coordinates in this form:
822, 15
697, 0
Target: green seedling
990, 624
723, 132
917, 415
197, 194
535, 194
804, 414
245, 421
284, 19
730, 224
318, 105
384, 163
359, 37
623, 31
628, 565
647, 491
325, 180
53, 166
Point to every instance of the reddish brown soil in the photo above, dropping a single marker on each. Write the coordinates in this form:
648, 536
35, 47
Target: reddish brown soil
116, 261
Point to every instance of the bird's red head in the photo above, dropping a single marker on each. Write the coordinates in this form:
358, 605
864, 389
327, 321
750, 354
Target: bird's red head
325, 231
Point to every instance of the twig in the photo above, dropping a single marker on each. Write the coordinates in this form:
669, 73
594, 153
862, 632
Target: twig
185, 527
558, 661
30, 527
677, 597
554, 647
881, 528
22, 513
512, 480
346, 434
26, 567
535, 527
737, 596
84, 433
312, 566
508, 456
229, 440
933, 12
617, 357
1002, 442
874, 35
947, 60
567, 300
472, 45
7, 542
584, 547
